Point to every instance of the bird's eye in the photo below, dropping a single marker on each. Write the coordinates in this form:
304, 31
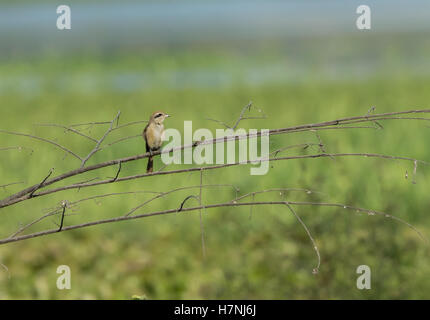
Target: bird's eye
158, 115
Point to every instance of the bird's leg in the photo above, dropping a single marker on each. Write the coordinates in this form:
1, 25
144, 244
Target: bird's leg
152, 151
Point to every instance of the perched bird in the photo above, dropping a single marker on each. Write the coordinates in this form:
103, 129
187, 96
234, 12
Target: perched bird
153, 135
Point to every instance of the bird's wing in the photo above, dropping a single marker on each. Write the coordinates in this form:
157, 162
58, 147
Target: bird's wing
144, 137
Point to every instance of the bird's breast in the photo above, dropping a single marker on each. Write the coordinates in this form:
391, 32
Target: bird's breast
154, 136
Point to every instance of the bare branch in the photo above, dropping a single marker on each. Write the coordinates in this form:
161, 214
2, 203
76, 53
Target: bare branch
162, 194
17, 148
415, 172
247, 107
20, 196
138, 176
67, 129
344, 123
129, 124
185, 200
72, 205
371, 110
111, 194
88, 180
220, 122
117, 173
250, 207
241, 117
44, 140
210, 206
120, 140
4, 186
41, 183
64, 206
307, 191
301, 145
316, 269
89, 124
25, 227
202, 230
100, 141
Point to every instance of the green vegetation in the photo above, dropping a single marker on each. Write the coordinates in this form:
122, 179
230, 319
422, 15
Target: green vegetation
265, 256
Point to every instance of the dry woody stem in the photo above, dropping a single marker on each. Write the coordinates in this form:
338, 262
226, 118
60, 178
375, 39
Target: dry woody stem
369, 120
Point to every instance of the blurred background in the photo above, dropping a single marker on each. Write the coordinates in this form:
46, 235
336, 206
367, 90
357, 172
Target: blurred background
299, 62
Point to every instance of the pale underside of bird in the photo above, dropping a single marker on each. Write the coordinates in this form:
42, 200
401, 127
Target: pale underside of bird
153, 135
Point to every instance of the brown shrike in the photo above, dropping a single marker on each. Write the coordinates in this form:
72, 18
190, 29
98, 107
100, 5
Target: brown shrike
153, 135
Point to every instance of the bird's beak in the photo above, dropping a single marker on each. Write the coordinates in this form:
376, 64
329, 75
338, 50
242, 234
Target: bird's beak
168, 115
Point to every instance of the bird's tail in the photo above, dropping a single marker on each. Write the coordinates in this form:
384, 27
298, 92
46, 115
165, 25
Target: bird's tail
150, 165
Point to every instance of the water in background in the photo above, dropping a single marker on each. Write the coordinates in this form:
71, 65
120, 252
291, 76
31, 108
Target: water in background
311, 39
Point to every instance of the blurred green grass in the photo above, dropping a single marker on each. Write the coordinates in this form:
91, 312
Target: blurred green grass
267, 256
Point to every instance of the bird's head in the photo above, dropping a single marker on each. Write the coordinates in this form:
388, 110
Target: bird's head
158, 117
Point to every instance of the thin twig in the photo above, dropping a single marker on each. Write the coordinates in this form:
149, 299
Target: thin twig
250, 207
32, 223
71, 205
220, 122
316, 269
64, 206
307, 191
247, 107
300, 145
112, 194
66, 130
241, 117
20, 196
210, 206
100, 141
19, 148
90, 124
129, 124
117, 173
41, 183
4, 186
185, 200
120, 140
162, 194
6, 268
44, 140
202, 230
188, 170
